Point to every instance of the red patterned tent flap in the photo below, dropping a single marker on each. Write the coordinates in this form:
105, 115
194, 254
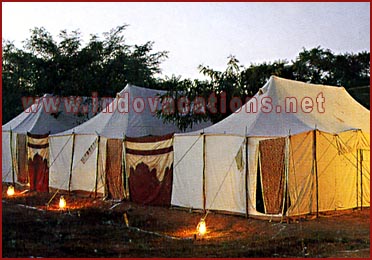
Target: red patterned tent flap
38, 156
149, 163
272, 152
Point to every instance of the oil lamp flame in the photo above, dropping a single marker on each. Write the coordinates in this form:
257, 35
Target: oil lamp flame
201, 228
10, 191
62, 203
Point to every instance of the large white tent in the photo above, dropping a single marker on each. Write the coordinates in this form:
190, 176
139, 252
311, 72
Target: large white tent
293, 149
82, 154
45, 116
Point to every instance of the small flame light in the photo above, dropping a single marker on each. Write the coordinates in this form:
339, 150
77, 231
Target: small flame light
10, 191
201, 228
62, 203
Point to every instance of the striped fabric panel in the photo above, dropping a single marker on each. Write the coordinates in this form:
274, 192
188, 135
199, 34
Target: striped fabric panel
153, 145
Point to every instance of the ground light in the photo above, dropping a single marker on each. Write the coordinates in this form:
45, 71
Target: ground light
10, 191
62, 203
201, 229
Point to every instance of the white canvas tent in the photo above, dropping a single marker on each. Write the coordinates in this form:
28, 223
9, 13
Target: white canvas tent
81, 154
269, 160
38, 119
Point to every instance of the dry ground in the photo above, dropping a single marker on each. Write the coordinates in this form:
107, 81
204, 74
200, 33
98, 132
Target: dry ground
96, 228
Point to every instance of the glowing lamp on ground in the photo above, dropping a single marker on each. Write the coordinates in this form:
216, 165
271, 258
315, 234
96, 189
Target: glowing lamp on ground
10, 191
62, 203
201, 228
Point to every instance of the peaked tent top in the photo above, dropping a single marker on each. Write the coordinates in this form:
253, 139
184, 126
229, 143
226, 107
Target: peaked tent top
37, 120
283, 107
131, 113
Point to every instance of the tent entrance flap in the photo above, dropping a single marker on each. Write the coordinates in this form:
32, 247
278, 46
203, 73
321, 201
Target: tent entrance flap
22, 176
272, 152
114, 180
38, 157
149, 163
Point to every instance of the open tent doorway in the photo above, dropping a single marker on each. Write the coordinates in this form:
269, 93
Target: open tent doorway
37, 162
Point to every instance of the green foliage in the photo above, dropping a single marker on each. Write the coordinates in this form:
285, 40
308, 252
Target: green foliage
323, 67
177, 88
66, 67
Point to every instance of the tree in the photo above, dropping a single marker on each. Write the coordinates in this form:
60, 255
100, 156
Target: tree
183, 112
321, 66
66, 67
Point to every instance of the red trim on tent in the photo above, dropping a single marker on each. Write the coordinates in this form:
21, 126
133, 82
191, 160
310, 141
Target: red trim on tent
149, 139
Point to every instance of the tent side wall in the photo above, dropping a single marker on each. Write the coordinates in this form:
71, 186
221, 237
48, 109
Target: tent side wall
337, 171
301, 178
84, 172
210, 170
364, 193
364, 167
187, 188
7, 172
60, 152
87, 170
225, 173
336, 181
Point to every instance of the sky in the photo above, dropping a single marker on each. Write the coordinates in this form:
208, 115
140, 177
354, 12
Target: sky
204, 33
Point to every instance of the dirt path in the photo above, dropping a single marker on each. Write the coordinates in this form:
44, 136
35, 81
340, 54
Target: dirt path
96, 228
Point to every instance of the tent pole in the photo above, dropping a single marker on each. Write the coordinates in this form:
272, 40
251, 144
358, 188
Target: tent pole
361, 178
72, 162
246, 176
357, 178
105, 192
124, 171
11, 155
204, 164
315, 165
286, 169
97, 164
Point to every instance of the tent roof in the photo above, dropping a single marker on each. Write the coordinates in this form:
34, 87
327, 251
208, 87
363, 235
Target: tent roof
37, 120
339, 111
119, 120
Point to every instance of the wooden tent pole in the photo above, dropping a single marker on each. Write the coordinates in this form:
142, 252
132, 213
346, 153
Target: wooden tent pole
124, 171
286, 171
204, 166
11, 155
97, 166
106, 191
357, 178
361, 178
315, 165
246, 176
72, 162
